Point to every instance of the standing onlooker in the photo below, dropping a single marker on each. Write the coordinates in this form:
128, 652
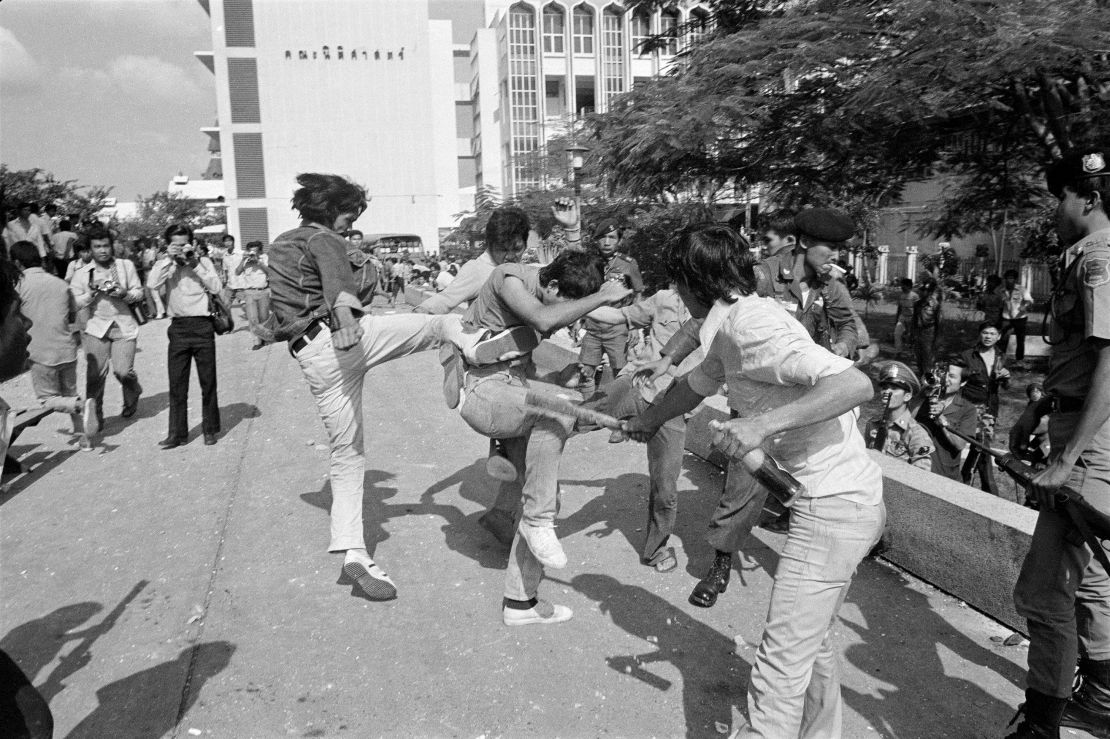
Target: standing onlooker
951, 410
150, 254
990, 302
82, 255
188, 278
250, 274
446, 276
926, 324
26, 227
48, 303
224, 260
108, 287
1016, 301
987, 372
903, 314
61, 245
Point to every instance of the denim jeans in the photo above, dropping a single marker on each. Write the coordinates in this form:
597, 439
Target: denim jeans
256, 304
335, 379
121, 353
1062, 591
495, 407
794, 690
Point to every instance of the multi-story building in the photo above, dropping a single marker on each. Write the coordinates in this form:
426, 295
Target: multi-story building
421, 101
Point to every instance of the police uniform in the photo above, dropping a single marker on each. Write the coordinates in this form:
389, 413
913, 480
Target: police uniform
906, 439
607, 338
825, 310
1063, 591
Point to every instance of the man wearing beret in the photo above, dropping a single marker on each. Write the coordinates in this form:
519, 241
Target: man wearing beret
1063, 591
896, 433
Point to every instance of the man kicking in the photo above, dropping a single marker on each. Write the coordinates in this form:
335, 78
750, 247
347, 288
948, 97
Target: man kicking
799, 402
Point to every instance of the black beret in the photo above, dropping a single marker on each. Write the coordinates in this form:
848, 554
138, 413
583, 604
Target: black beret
1081, 165
606, 225
825, 224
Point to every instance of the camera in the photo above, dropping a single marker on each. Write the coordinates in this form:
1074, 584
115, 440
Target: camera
107, 286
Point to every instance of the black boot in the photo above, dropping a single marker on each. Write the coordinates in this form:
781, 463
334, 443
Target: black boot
714, 583
1089, 707
1040, 717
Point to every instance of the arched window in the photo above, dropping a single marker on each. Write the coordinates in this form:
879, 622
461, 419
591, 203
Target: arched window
583, 30
554, 30
612, 53
668, 28
641, 30
698, 25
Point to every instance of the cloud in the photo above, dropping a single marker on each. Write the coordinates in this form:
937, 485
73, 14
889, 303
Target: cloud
18, 71
138, 75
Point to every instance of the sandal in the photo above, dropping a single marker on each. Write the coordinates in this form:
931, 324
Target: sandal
664, 561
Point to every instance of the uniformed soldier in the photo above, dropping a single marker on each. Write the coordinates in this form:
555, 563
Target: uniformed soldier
800, 279
1063, 591
602, 338
896, 433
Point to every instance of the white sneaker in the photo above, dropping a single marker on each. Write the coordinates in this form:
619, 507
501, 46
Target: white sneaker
90, 419
370, 578
542, 613
544, 544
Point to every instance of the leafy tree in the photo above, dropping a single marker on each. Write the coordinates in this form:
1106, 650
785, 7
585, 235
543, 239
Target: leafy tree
43, 188
159, 211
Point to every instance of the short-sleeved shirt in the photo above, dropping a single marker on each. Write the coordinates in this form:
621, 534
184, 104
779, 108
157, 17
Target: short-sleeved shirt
906, 439
1080, 311
61, 243
1014, 302
616, 268
768, 360
664, 312
961, 416
47, 301
489, 310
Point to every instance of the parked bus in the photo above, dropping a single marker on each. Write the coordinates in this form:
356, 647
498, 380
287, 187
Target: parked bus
394, 245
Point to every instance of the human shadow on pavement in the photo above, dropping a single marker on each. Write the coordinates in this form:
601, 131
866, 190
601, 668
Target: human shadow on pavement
914, 687
231, 415
462, 532
37, 460
147, 407
136, 706
374, 511
713, 680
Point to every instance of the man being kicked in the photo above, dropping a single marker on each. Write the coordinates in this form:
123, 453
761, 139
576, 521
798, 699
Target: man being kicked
895, 433
798, 401
543, 299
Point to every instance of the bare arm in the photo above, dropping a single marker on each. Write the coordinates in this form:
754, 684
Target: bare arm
546, 318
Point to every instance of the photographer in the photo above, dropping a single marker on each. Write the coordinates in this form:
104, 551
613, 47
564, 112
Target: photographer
188, 278
254, 286
108, 287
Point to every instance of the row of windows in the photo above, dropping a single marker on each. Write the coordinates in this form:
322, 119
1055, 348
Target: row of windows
582, 27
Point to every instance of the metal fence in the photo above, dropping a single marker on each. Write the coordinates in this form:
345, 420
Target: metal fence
1040, 279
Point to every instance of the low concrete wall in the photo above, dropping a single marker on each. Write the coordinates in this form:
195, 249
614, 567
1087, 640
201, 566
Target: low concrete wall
957, 538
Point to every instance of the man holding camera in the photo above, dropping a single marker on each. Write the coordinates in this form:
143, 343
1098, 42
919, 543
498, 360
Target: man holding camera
251, 282
108, 287
188, 278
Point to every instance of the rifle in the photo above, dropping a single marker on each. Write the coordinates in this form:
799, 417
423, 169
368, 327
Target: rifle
1092, 524
884, 426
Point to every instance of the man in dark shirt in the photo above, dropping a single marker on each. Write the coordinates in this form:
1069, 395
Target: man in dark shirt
949, 411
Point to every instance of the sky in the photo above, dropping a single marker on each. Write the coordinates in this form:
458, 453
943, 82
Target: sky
105, 92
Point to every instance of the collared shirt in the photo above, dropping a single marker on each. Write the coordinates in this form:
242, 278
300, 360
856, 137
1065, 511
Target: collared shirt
616, 267
906, 439
231, 262
186, 288
47, 301
310, 275
768, 360
14, 232
61, 244
824, 309
1080, 311
105, 310
961, 416
664, 312
463, 289
1015, 302
253, 275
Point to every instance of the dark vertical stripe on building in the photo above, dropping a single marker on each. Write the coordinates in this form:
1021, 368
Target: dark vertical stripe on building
254, 225
250, 175
239, 22
242, 82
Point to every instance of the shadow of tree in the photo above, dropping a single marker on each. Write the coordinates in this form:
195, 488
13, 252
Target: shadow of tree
129, 707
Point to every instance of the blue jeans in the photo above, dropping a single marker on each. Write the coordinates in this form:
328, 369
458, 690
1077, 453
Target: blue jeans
1062, 591
794, 690
494, 407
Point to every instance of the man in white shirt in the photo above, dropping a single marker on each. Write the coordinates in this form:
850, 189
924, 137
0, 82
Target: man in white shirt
26, 227
251, 283
188, 279
108, 286
1016, 300
798, 402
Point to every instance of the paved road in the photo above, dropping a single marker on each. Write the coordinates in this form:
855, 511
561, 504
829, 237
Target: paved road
189, 593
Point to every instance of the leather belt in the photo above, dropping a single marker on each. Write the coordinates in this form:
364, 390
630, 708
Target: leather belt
311, 333
1066, 405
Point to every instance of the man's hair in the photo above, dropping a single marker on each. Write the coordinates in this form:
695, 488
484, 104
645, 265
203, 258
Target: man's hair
98, 232
26, 254
988, 324
253, 245
321, 198
178, 229
906, 282
578, 273
955, 360
9, 276
783, 225
64, 225
225, 237
50, 207
506, 224
994, 280
713, 262
1031, 387
1010, 274
28, 204
354, 232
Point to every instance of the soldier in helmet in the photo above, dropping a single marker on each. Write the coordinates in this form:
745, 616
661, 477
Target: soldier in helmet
1063, 591
896, 432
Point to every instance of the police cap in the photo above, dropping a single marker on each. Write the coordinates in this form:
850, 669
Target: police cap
1084, 164
896, 373
827, 225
